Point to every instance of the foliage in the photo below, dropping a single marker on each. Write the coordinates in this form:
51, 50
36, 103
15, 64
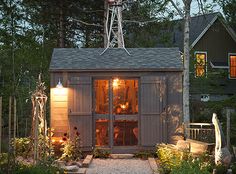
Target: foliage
42, 167
176, 161
190, 167
220, 169
71, 147
170, 157
23, 146
144, 154
229, 7
101, 153
233, 167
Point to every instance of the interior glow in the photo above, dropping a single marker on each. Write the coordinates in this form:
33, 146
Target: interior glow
115, 83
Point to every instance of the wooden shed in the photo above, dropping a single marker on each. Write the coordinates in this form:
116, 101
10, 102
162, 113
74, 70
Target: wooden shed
124, 102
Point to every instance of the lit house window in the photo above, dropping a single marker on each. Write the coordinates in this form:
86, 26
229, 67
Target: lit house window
200, 64
232, 65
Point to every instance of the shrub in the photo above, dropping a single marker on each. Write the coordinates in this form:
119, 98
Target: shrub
170, 157
101, 153
23, 147
71, 147
190, 167
144, 154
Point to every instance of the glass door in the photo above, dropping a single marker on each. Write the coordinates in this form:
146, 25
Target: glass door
116, 112
101, 112
125, 112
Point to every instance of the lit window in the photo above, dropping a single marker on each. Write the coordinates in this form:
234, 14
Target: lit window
232, 65
200, 64
125, 97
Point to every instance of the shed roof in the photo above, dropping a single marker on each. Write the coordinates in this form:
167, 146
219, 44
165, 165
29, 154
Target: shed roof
116, 59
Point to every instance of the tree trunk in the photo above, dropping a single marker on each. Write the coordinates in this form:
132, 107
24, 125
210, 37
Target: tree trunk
186, 115
61, 27
0, 125
105, 27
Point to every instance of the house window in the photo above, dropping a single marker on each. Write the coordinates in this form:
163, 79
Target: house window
125, 97
200, 64
232, 65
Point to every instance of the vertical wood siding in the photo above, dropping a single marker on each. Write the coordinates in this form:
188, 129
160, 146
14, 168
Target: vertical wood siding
153, 102
59, 111
80, 107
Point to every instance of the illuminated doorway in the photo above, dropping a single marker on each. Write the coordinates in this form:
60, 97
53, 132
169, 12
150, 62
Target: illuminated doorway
116, 112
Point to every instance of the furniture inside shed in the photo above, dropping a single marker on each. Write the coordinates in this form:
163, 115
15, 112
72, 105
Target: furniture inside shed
118, 101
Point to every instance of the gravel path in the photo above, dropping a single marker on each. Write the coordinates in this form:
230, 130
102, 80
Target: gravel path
119, 166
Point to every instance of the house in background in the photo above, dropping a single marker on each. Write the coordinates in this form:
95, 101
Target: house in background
213, 56
118, 101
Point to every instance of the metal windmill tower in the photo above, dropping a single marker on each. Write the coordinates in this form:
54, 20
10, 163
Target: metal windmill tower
114, 36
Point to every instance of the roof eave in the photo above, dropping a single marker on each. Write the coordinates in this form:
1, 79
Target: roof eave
203, 32
117, 70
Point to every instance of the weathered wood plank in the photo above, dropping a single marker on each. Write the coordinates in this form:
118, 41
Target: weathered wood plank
87, 161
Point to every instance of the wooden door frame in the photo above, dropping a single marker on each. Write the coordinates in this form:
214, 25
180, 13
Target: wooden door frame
111, 116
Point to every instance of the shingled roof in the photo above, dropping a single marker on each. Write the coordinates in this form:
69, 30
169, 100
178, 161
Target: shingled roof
198, 24
116, 59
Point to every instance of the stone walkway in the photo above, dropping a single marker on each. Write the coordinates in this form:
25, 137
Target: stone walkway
119, 166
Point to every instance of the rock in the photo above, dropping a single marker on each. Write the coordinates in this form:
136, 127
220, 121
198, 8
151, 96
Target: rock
183, 145
60, 163
71, 168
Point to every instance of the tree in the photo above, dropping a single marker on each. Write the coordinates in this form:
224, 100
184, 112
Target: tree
229, 8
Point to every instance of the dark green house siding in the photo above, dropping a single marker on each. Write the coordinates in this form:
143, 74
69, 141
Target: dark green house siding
217, 42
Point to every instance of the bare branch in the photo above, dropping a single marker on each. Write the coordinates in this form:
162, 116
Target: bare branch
176, 7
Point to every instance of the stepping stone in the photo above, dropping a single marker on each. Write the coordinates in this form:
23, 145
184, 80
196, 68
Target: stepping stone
122, 156
153, 165
80, 171
87, 161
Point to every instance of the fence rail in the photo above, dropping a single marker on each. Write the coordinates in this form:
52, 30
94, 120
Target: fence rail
201, 131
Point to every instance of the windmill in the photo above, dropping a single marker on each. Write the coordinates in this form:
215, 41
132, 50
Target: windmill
114, 36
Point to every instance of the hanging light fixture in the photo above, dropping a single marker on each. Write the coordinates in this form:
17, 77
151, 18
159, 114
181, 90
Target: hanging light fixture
59, 84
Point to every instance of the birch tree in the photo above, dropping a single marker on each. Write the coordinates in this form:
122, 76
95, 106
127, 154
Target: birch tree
186, 54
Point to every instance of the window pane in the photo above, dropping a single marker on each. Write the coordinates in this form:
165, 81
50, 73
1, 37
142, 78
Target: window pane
200, 64
101, 132
125, 133
233, 66
125, 96
101, 96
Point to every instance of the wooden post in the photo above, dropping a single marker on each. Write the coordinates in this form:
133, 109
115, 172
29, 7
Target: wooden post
9, 124
26, 127
228, 127
9, 136
0, 125
14, 124
36, 133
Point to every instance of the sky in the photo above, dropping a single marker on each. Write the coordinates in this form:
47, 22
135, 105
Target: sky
195, 8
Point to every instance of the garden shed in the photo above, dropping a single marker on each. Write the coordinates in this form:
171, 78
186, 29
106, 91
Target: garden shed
123, 100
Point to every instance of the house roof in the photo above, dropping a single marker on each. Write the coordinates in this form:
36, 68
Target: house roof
116, 59
199, 25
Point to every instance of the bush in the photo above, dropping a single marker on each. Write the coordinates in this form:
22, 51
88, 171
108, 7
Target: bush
190, 167
71, 147
170, 157
177, 162
23, 147
144, 154
101, 153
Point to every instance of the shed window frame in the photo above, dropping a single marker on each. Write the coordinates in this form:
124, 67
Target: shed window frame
195, 64
229, 63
